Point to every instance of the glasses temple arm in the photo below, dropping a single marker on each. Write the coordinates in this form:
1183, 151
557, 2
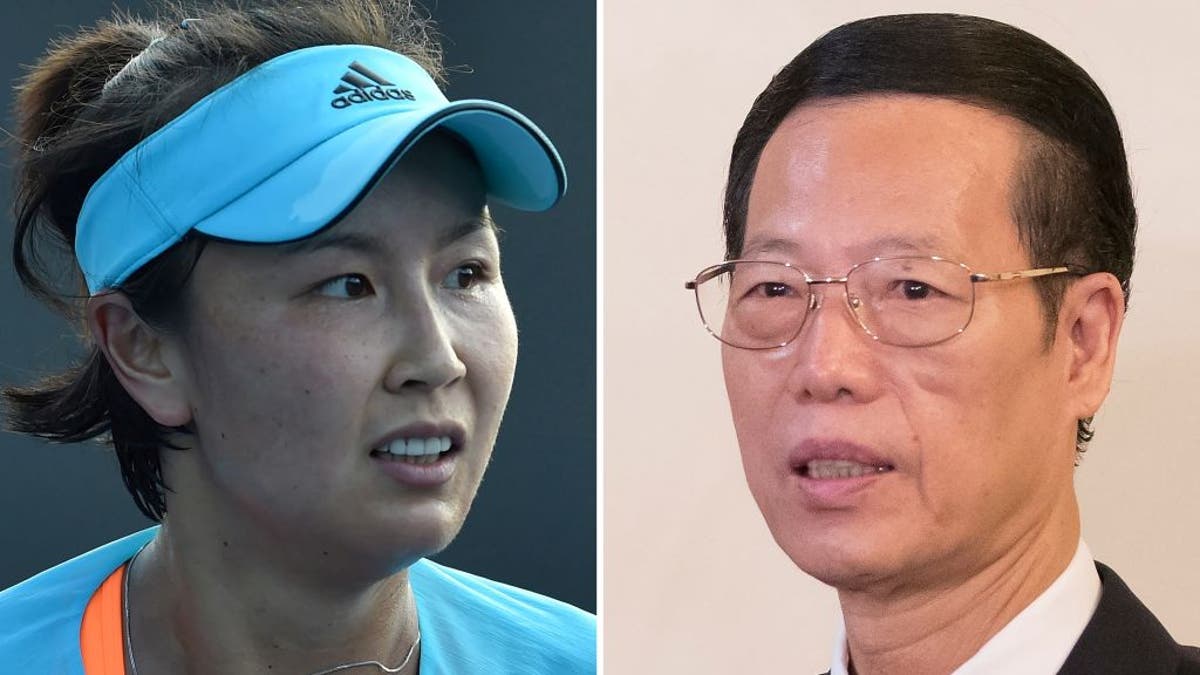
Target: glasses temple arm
1026, 274
705, 275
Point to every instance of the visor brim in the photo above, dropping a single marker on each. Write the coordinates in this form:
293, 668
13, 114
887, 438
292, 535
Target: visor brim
520, 166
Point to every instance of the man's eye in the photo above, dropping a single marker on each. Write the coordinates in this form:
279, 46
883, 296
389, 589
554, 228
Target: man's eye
916, 290
776, 290
349, 286
464, 276
771, 289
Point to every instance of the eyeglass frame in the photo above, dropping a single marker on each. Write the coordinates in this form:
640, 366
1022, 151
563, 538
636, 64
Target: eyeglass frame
975, 277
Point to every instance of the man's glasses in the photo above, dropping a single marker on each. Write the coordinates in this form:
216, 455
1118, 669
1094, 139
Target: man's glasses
907, 301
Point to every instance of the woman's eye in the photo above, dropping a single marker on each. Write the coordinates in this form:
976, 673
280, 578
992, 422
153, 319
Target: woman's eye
349, 286
464, 276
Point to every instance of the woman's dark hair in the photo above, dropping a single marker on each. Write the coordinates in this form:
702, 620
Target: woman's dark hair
91, 99
1072, 201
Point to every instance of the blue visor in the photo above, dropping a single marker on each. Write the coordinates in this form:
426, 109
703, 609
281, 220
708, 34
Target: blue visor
288, 148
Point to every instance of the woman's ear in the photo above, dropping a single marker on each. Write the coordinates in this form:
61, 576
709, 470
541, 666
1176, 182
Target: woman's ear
1092, 311
138, 355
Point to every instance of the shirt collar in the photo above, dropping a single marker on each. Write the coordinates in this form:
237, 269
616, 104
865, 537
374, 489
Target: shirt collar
1038, 639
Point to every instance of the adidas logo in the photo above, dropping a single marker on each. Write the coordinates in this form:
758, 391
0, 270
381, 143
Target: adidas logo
362, 85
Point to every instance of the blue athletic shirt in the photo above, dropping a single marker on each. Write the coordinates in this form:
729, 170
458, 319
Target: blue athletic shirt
468, 624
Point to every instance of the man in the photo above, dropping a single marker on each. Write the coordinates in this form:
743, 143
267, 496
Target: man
933, 229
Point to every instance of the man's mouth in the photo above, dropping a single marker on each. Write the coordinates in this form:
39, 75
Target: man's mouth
828, 469
418, 451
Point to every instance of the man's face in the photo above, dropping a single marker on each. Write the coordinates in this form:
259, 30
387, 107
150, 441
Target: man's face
975, 432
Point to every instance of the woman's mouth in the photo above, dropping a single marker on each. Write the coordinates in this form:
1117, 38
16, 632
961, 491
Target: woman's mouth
417, 450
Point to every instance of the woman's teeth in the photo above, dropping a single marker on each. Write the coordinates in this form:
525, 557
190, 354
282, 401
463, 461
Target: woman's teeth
416, 450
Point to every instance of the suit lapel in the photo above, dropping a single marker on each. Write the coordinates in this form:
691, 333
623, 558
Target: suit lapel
1122, 637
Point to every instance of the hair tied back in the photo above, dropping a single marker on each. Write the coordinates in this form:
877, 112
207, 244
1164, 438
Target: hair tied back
133, 64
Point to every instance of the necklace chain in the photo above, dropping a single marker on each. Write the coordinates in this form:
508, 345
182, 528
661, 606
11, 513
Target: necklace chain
345, 666
125, 609
348, 666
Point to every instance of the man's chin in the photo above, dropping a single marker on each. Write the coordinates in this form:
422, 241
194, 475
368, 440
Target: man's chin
844, 574
846, 565
874, 570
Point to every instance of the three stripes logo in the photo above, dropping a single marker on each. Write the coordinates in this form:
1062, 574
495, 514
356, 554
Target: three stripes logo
360, 84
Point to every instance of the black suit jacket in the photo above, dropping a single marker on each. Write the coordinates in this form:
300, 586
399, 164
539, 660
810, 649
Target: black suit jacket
1124, 638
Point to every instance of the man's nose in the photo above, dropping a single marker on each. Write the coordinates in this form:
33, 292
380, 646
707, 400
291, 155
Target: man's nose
832, 357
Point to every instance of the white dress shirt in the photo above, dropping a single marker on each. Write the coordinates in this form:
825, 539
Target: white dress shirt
1038, 639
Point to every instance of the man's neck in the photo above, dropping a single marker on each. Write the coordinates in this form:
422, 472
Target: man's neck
932, 631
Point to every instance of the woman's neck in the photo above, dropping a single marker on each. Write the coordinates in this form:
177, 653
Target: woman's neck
204, 604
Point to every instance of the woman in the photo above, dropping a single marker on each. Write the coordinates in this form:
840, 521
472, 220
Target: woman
302, 345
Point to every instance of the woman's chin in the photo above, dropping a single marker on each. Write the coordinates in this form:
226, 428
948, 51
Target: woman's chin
417, 532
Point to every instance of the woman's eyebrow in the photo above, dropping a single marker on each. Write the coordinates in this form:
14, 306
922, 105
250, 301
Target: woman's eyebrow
468, 227
351, 241
372, 246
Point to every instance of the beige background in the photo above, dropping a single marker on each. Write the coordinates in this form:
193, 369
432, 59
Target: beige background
693, 582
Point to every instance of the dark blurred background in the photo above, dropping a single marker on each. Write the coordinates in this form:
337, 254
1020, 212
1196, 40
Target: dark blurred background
533, 524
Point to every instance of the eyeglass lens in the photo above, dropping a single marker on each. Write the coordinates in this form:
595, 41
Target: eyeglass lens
901, 301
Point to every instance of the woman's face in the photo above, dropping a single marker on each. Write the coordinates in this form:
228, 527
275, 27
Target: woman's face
304, 361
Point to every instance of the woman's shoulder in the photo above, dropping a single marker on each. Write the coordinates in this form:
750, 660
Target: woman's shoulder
45, 610
477, 623
428, 576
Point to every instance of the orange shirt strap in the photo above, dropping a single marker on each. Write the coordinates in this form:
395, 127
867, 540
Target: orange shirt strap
102, 635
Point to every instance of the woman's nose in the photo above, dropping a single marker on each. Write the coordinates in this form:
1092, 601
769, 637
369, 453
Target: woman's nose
424, 353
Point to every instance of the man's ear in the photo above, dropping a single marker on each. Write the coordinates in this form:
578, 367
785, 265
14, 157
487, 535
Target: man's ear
1091, 315
139, 358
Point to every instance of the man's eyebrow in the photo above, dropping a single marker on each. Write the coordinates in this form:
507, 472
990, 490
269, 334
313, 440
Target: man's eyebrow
770, 245
923, 243
883, 245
